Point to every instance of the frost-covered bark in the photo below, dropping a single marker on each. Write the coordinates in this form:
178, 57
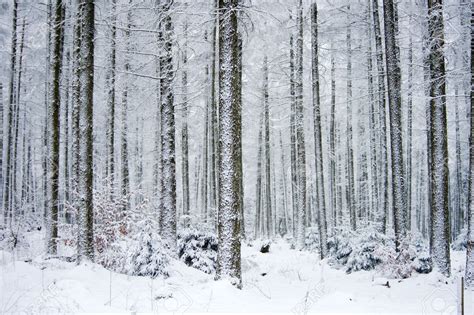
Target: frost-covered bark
332, 144
300, 139
383, 203
395, 106
110, 88
54, 111
184, 125
86, 181
7, 211
350, 189
374, 127
168, 155
439, 245
229, 142
409, 132
125, 174
322, 223
268, 195
294, 175
470, 212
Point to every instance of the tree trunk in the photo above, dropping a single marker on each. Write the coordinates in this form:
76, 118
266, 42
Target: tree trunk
439, 247
382, 117
470, 214
55, 131
86, 233
184, 126
319, 163
9, 128
394, 99
230, 162
301, 158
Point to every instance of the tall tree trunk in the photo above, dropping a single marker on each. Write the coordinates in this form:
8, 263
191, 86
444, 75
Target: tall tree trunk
301, 158
9, 128
54, 111
184, 125
470, 213
382, 117
318, 146
374, 128
168, 157
350, 193
332, 144
409, 133
394, 99
268, 193
230, 162
294, 174
439, 247
86, 233
111, 78
125, 173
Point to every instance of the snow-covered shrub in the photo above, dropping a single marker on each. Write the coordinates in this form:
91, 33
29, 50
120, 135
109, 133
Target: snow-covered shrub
340, 246
423, 263
146, 255
368, 251
460, 243
114, 257
198, 249
311, 241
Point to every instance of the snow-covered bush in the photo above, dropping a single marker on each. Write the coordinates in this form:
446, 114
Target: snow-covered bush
460, 243
146, 255
311, 241
198, 249
368, 249
340, 246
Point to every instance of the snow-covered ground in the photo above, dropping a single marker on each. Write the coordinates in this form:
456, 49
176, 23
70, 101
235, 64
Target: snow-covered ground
282, 281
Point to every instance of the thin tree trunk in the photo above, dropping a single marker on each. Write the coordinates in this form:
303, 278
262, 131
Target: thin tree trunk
319, 163
470, 214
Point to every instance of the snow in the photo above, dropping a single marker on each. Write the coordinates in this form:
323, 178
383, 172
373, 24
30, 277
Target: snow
281, 281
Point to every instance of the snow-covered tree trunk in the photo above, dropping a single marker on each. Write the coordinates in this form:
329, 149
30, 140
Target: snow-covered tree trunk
184, 125
440, 236
168, 155
294, 174
350, 189
384, 188
54, 111
229, 139
470, 214
300, 139
110, 88
86, 181
125, 173
322, 223
395, 104
332, 144
266, 112
374, 127
409, 133
7, 211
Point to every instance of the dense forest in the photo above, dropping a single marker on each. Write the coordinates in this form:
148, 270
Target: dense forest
140, 132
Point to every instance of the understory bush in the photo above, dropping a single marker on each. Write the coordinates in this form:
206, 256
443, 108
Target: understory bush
198, 249
368, 249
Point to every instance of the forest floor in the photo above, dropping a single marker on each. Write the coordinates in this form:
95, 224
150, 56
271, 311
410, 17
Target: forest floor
281, 281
